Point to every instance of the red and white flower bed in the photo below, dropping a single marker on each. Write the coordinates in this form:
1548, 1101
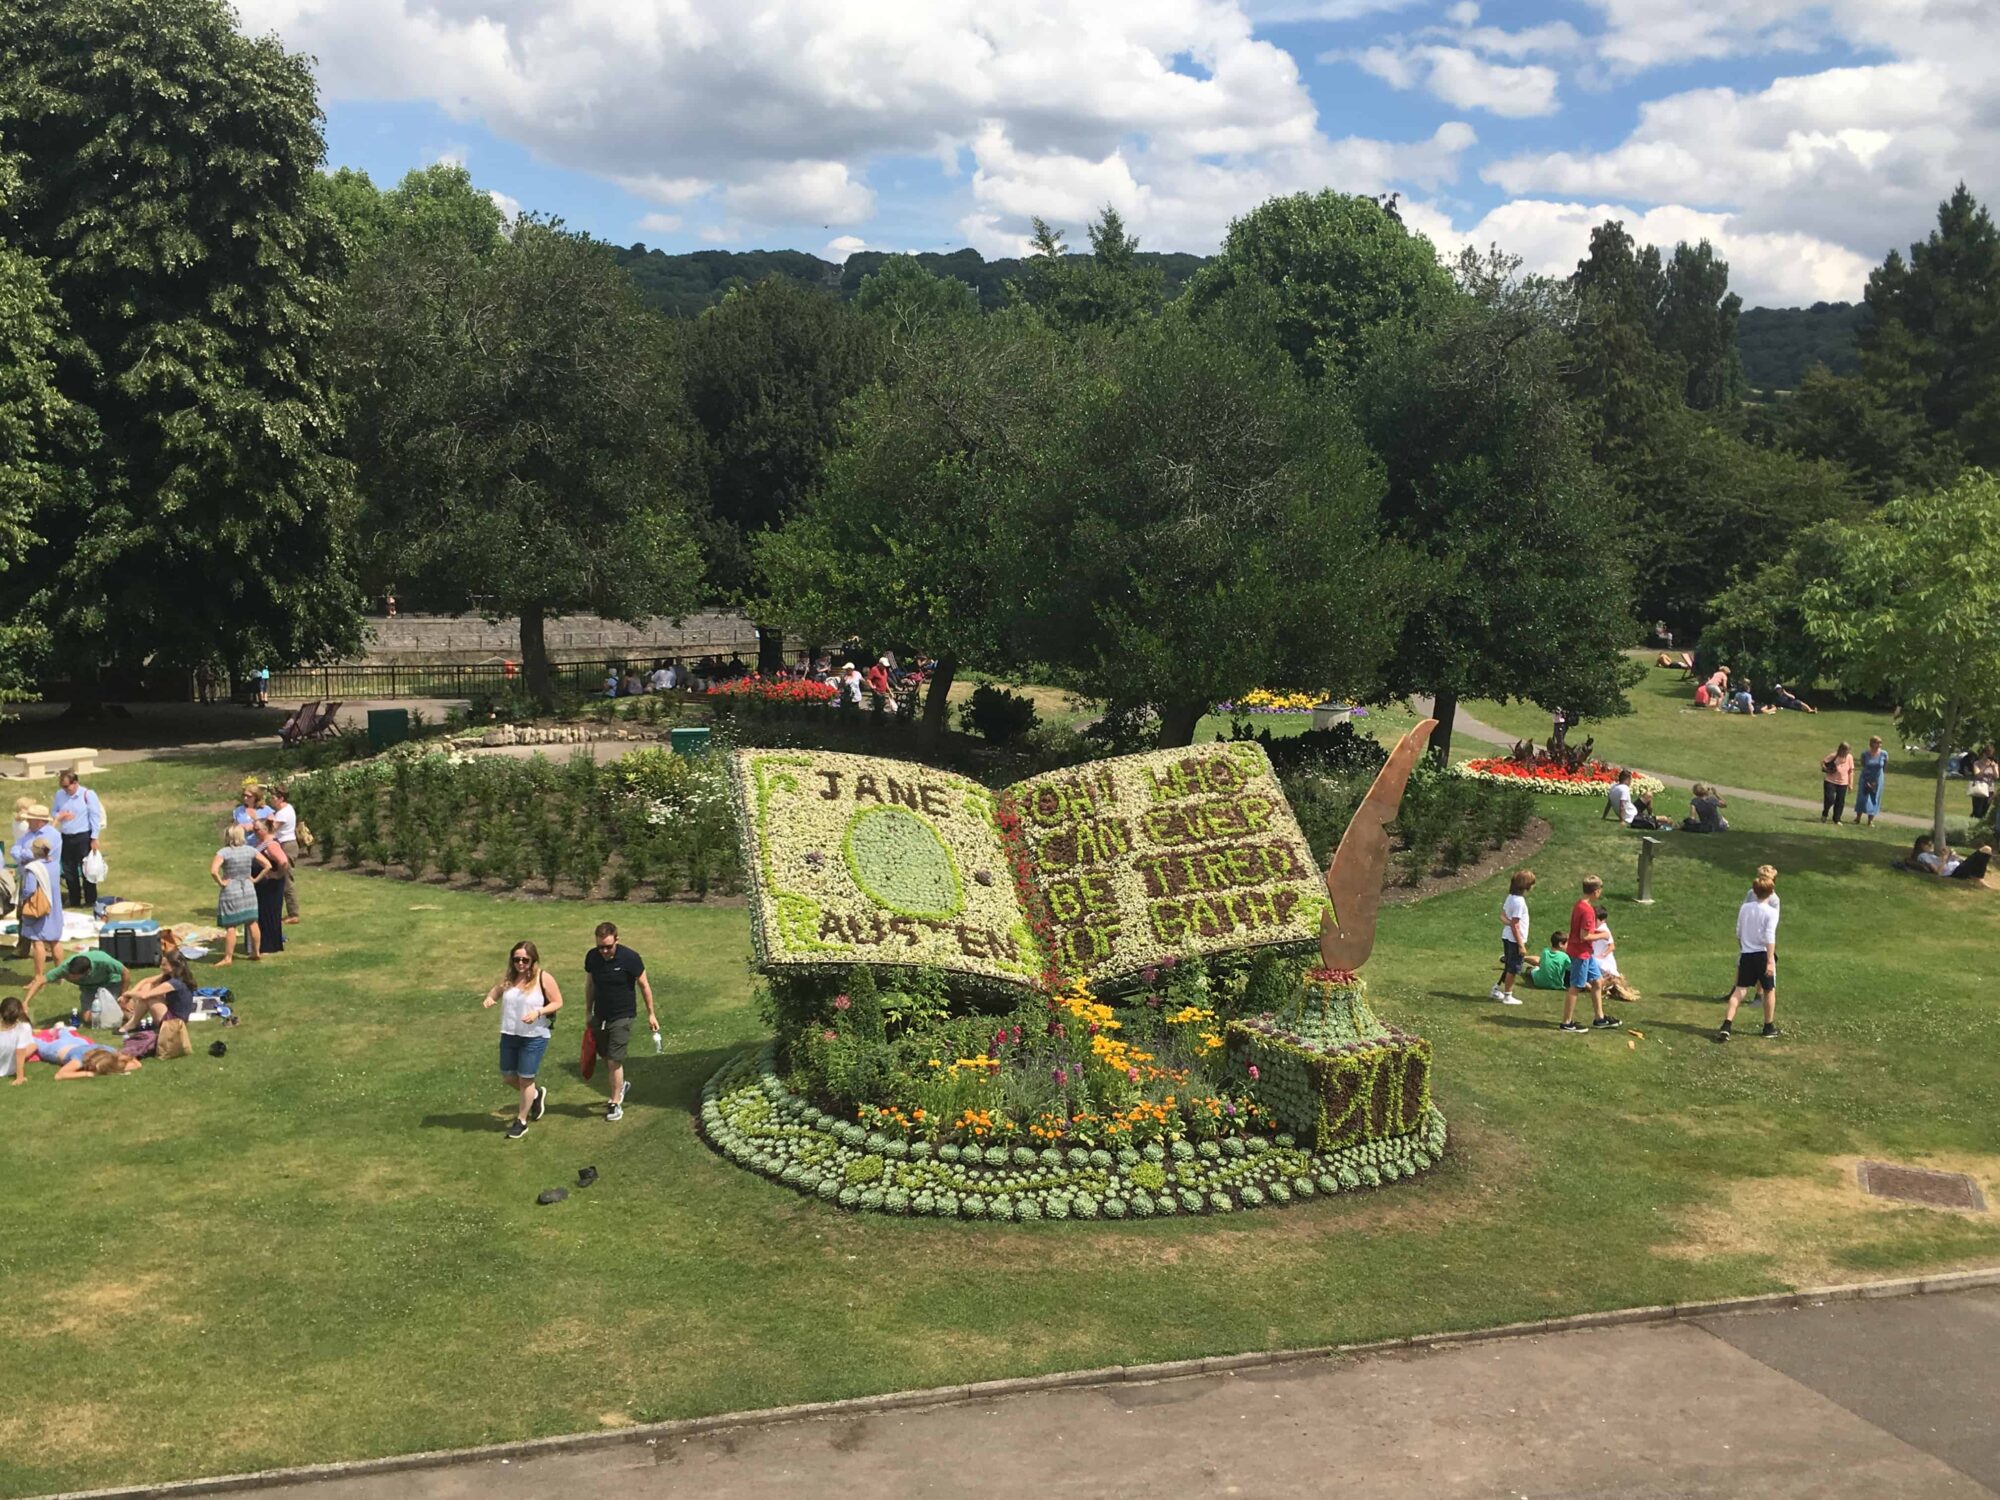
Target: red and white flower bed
1592, 779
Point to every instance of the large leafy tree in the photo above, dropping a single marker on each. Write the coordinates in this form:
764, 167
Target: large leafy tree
1698, 315
1344, 274
1846, 420
909, 301
1932, 342
1204, 522
907, 538
522, 416
767, 373
1527, 589
435, 202
168, 167
1912, 610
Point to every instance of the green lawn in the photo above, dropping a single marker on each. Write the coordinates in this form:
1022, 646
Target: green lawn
1768, 752
321, 1246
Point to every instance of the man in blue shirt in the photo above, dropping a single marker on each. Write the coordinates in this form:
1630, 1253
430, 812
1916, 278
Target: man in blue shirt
79, 818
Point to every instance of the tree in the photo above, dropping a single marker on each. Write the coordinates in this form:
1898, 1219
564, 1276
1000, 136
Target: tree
1202, 523
1697, 325
1846, 420
767, 373
1109, 288
907, 300
1344, 272
169, 167
1932, 342
1490, 479
1913, 610
524, 418
906, 538
438, 201
41, 433
1758, 624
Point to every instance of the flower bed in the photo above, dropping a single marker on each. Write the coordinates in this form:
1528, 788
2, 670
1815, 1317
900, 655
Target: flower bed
1593, 779
1266, 701
749, 1116
775, 690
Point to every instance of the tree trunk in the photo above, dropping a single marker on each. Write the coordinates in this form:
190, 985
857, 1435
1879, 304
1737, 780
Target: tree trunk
535, 675
770, 651
1177, 722
937, 695
1444, 708
1948, 734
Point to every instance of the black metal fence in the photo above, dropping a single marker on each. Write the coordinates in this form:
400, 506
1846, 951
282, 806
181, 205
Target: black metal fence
354, 683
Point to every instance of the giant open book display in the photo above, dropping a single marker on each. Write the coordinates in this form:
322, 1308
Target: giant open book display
1069, 896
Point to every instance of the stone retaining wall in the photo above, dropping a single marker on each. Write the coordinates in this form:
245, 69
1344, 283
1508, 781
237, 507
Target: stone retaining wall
468, 638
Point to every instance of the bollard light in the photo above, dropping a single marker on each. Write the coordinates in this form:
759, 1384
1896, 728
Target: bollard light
1647, 847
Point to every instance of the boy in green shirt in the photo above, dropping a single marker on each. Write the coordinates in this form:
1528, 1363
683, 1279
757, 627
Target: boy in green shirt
100, 977
1551, 970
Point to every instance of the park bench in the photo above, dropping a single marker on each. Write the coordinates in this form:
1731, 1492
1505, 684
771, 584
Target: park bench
39, 763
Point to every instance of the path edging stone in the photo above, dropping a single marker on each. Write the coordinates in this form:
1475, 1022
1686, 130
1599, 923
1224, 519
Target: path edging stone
654, 1433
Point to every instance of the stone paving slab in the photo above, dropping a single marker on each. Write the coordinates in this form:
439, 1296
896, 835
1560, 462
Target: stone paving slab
1859, 1399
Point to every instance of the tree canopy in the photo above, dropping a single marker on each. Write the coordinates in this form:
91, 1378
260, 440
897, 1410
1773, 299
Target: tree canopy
168, 168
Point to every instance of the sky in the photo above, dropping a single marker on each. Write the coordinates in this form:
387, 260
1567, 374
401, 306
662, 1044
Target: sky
1803, 139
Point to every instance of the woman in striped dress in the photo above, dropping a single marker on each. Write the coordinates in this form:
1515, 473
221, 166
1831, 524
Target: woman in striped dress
234, 867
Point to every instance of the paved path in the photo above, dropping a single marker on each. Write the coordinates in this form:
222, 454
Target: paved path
1470, 728
1895, 1397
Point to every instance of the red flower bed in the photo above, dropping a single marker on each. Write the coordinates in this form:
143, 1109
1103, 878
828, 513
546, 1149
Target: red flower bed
776, 689
1595, 772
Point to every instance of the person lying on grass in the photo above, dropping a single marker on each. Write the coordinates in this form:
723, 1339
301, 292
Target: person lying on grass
1924, 856
77, 1056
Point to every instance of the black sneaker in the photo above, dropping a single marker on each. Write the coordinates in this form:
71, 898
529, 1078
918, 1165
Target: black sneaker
541, 1105
1606, 1023
1570, 1026
1724, 1034
1770, 1029
518, 1129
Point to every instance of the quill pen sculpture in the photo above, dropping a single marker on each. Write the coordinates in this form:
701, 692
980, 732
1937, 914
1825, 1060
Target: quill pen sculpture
1354, 879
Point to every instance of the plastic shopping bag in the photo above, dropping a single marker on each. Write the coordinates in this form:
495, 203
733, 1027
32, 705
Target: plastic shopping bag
95, 869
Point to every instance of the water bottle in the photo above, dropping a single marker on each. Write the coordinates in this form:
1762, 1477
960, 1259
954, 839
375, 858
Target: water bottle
76, 1018
659, 1045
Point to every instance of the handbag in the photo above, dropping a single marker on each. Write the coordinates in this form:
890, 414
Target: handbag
35, 905
304, 836
174, 1041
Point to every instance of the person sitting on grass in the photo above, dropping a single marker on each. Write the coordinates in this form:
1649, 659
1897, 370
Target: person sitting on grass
1634, 809
1705, 811
169, 993
1604, 950
1925, 856
77, 1056
1781, 697
1551, 970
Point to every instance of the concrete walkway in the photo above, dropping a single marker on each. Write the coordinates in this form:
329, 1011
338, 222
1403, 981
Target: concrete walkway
1850, 1399
1467, 727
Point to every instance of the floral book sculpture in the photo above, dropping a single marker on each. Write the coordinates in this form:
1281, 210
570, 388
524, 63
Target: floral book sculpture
1223, 1076
1095, 872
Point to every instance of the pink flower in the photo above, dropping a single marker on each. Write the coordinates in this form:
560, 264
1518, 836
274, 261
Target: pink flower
829, 1035
1133, 1074
841, 1002
1253, 1073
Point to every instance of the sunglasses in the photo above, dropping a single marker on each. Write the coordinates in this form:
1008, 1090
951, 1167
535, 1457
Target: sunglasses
522, 958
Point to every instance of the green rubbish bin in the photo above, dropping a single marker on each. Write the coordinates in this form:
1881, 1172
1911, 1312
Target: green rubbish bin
387, 726
689, 741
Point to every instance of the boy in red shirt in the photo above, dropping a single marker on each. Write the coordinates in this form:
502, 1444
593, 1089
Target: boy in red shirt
1584, 974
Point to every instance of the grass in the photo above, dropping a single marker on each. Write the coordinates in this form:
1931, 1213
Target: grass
321, 1247
1768, 752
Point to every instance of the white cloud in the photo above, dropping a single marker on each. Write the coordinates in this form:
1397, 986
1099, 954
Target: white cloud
843, 245
1766, 269
1464, 13
660, 223
510, 208
800, 192
774, 111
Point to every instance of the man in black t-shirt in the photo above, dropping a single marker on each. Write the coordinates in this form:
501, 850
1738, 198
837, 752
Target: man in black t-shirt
614, 976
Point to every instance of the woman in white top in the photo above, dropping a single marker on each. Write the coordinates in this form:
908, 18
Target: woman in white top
528, 998
17, 1040
1605, 950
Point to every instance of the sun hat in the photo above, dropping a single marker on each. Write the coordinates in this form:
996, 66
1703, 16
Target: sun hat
35, 810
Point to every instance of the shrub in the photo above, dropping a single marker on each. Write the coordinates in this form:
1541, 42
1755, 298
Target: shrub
997, 715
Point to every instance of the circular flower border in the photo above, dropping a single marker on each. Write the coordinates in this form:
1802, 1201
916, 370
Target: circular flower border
1589, 783
749, 1116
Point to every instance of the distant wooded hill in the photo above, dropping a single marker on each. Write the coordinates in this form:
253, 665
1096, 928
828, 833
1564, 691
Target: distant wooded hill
1778, 344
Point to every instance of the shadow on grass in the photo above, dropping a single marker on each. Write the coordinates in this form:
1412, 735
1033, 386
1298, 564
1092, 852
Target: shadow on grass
669, 1084
1792, 853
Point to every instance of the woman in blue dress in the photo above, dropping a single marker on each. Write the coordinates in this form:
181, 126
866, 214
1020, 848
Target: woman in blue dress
1868, 789
44, 933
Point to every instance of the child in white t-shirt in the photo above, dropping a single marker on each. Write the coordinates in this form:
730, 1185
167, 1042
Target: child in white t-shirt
1605, 951
1513, 935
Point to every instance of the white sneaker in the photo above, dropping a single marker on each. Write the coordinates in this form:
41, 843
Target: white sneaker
1510, 999
1496, 993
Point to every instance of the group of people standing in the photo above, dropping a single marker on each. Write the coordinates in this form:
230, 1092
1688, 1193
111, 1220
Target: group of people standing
56, 850
256, 873
1583, 959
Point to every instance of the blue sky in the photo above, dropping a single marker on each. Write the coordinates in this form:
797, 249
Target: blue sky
1805, 137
